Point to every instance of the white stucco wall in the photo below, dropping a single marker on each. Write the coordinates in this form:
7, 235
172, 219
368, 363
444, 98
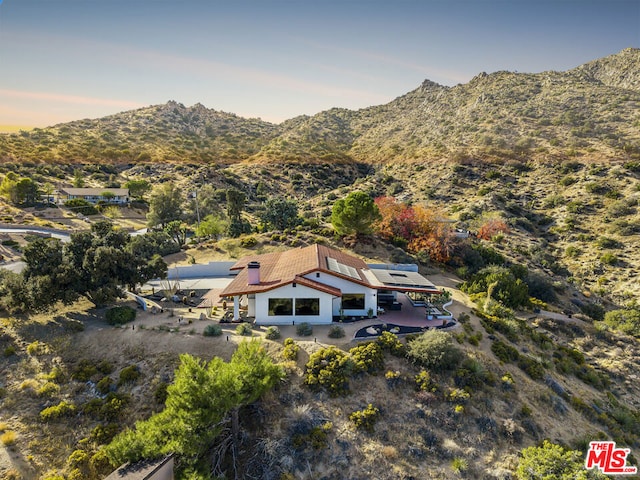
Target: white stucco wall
289, 291
370, 300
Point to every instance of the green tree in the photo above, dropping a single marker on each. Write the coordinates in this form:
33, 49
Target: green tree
506, 288
165, 205
212, 226
177, 231
78, 178
354, 214
96, 265
202, 401
235, 205
138, 188
280, 213
553, 462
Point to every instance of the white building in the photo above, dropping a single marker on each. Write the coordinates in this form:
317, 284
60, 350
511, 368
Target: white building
314, 284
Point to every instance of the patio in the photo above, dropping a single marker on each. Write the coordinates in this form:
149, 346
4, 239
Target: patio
408, 315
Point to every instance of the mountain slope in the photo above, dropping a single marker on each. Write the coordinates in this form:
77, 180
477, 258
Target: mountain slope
591, 111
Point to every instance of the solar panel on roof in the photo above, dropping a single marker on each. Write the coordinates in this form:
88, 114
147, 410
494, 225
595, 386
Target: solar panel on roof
337, 267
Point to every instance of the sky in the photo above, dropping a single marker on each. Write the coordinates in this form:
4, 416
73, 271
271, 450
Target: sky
64, 60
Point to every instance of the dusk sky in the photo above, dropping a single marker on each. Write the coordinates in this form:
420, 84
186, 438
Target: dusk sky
63, 60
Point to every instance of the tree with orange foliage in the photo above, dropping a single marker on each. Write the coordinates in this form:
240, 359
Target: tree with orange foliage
492, 227
423, 229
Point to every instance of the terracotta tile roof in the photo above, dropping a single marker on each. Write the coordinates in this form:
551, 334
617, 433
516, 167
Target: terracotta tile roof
282, 268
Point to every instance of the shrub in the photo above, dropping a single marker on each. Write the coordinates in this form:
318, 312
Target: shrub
104, 385
609, 258
120, 315
63, 409
365, 419
81, 206
35, 348
272, 333
56, 375
49, 389
336, 332
129, 374
531, 367
8, 438
291, 349
329, 369
248, 242
212, 330
424, 383
367, 357
434, 349
84, 371
459, 465
625, 321
504, 352
9, 351
244, 329
304, 329
393, 378
389, 342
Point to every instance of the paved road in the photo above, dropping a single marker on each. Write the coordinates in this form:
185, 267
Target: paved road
54, 233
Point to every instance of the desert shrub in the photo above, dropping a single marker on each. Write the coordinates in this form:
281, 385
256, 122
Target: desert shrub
56, 375
365, 419
291, 349
84, 371
624, 320
244, 329
129, 374
336, 332
609, 258
35, 348
329, 369
304, 329
424, 382
104, 385
9, 351
393, 378
568, 180
160, 392
389, 342
458, 396
606, 242
367, 357
81, 206
459, 465
248, 242
472, 373
212, 330
48, 389
120, 315
272, 333
55, 412
531, 367
8, 438
504, 352
434, 349
593, 310
104, 433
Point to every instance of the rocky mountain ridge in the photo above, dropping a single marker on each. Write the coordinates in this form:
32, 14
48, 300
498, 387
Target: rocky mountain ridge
590, 111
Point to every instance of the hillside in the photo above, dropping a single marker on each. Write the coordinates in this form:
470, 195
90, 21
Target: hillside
554, 155
590, 111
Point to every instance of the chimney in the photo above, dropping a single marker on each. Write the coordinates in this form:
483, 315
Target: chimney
253, 273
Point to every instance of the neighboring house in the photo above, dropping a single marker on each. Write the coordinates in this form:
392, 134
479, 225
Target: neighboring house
94, 195
314, 284
145, 470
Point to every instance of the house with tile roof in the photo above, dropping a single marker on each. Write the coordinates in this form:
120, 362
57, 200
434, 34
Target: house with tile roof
314, 284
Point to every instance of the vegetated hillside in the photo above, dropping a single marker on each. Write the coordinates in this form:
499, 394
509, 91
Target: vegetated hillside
590, 111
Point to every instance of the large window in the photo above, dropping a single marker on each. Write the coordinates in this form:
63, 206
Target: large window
307, 306
280, 306
353, 301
